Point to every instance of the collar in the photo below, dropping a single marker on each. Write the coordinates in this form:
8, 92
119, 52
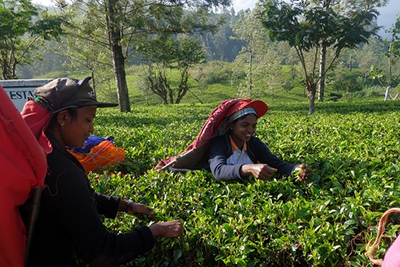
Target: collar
235, 147
63, 150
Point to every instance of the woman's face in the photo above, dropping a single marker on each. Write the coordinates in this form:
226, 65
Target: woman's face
243, 129
77, 130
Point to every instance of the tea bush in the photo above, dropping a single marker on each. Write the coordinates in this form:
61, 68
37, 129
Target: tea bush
352, 147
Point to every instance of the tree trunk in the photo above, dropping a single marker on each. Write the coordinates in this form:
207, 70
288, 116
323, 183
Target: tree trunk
321, 83
387, 93
351, 63
7, 71
159, 85
250, 72
169, 90
120, 79
114, 38
183, 85
311, 92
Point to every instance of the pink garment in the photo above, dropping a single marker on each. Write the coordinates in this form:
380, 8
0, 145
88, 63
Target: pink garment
196, 154
37, 119
392, 256
23, 167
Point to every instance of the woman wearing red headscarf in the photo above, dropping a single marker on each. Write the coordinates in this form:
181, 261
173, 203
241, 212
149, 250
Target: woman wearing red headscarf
238, 154
69, 223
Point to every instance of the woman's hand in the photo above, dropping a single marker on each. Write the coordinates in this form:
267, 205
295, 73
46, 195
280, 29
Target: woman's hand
167, 229
259, 171
137, 209
304, 172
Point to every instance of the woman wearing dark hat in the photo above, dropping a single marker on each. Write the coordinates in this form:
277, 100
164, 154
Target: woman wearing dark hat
238, 153
69, 221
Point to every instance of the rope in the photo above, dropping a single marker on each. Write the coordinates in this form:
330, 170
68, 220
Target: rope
372, 249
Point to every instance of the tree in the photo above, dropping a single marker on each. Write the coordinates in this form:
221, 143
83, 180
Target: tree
22, 26
49, 60
219, 45
249, 30
370, 54
86, 55
260, 59
289, 57
309, 28
126, 22
163, 53
340, 7
392, 54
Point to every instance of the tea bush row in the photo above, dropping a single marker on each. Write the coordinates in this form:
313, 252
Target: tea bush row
353, 149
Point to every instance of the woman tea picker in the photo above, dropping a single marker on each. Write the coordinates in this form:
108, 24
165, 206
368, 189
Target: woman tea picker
69, 221
238, 153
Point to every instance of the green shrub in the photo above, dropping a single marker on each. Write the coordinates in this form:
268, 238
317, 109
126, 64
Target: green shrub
353, 148
214, 72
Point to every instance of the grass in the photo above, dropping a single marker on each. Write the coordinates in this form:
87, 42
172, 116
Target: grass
215, 82
221, 85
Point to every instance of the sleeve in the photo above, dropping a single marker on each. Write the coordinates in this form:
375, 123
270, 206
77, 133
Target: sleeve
217, 160
262, 154
76, 208
107, 205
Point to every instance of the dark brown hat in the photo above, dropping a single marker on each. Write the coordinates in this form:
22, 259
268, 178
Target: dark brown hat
64, 93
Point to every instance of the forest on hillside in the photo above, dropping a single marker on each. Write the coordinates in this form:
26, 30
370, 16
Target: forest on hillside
226, 44
271, 47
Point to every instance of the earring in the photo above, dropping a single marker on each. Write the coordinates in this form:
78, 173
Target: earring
62, 126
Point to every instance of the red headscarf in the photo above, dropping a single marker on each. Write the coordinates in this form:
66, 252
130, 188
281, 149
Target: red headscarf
37, 118
194, 157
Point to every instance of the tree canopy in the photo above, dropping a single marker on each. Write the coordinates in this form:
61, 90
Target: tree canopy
165, 52
125, 23
310, 27
22, 26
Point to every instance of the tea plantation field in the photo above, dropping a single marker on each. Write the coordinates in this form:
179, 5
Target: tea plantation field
352, 147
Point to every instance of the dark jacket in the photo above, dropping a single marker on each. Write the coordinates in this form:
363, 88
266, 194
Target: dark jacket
221, 150
69, 220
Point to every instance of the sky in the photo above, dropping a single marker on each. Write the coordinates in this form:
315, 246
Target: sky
386, 18
388, 14
244, 4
